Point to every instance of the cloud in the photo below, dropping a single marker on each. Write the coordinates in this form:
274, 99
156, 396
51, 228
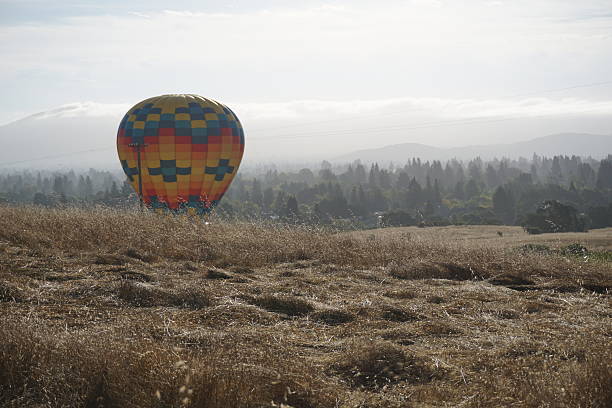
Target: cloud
407, 107
139, 14
402, 34
354, 51
313, 112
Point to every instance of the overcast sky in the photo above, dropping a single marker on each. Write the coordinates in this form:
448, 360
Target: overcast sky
349, 74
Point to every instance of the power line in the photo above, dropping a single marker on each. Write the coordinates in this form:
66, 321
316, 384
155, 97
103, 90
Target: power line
56, 156
422, 125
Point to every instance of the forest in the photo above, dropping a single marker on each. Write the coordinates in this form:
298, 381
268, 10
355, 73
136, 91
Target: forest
356, 195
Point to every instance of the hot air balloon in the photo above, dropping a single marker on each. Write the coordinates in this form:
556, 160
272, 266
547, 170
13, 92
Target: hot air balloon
188, 149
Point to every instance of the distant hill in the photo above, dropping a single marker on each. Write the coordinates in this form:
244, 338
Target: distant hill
82, 135
58, 132
580, 144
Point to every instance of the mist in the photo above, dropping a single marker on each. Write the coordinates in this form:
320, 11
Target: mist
309, 82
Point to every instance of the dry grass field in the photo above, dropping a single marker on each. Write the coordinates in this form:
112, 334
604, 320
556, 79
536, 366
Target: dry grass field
103, 308
489, 235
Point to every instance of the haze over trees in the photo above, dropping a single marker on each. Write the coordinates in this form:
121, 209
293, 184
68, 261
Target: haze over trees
412, 193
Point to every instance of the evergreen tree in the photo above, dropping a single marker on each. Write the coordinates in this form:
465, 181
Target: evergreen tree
376, 200
586, 175
256, 193
414, 196
436, 197
353, 197
534, 172
384, 179
471, 189
114, 191
604, 174
503, 175
268, 198
555, 172
358, 201
58, 185
460, 173
280, 203
475, 170
373, 177
327, 175
503, 205
126, 188
428, 192
292, 207
41, 199
403, 180
360, 174
306, 176
459, 191
448, 181
81, 187
491, 176
428, 211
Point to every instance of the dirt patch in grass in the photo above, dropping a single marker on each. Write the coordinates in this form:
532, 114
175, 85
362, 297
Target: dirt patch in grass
373, 365
10, 292
427, 270
289, 305
146, 295
509, 280
398, 314
401, 294
217, 274
332, 316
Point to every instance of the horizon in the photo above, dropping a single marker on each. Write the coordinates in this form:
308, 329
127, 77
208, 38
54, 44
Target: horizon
363, 156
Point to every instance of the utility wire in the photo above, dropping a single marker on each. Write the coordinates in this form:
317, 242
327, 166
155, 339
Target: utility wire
56, 156
423, 125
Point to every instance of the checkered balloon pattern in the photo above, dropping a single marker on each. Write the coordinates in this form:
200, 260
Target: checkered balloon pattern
190, 150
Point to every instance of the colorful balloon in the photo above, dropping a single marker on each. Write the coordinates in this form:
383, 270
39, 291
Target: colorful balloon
190, 148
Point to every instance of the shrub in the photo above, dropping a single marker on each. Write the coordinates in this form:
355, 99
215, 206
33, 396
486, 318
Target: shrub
575, 249
553, 216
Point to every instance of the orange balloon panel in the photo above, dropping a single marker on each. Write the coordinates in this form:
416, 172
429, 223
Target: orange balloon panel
190, 149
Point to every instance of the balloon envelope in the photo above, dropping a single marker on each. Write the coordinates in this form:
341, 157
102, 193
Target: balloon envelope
190, 150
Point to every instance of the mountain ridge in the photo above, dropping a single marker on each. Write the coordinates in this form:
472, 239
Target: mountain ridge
569, 143
83, 135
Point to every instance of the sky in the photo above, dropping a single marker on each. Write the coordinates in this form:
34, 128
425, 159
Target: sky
314, 75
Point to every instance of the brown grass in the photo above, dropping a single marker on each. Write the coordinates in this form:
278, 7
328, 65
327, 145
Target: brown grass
147, 295
103, 308
289, 305
378, 364
487, 235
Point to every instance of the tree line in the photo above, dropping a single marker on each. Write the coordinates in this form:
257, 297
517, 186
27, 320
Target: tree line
499, 191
